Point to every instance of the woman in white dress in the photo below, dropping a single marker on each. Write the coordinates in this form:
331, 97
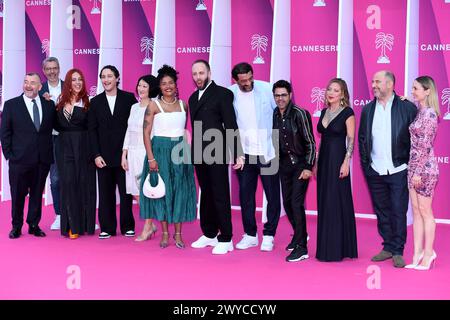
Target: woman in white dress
133, 151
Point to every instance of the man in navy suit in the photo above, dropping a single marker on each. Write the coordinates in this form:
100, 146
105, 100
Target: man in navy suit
26, 137
51, 89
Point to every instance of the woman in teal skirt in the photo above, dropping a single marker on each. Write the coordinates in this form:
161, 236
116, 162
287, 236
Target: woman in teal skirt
167, 153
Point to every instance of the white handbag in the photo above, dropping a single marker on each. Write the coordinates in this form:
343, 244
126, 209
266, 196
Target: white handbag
155, 192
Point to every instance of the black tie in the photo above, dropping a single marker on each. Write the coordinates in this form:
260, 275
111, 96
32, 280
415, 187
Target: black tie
36, 120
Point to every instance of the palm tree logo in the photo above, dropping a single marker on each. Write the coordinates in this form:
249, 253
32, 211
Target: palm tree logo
45, 46
1, 8
319, 3
383, 41
446, 100
147, 46
259, 42
200, 5
95, 8
318, 97
92, 91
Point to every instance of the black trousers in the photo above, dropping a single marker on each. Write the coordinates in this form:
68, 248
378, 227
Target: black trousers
248, 180
389, 195
215, 203
23, 180
108, 179
294, 190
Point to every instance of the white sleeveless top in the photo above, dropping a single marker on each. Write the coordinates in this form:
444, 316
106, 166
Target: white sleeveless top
169, 124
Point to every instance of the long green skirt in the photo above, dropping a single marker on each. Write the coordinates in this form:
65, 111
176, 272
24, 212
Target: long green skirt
175, 168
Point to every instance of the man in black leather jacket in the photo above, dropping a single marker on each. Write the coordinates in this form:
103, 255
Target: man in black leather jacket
384, 145
297, 152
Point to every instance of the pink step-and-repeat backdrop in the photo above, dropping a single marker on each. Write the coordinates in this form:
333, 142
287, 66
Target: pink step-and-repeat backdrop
379, 42
138, 23
86, 42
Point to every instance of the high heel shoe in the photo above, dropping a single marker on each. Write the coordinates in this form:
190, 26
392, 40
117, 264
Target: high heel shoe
73, 235
165, 240
145, 236
415, 263
431, 263
178, 243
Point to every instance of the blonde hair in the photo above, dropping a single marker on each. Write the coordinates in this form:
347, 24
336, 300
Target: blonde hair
345, 101
432, 99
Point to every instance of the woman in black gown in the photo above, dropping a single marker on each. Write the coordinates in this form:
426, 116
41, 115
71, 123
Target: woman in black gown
336, 228
75, 164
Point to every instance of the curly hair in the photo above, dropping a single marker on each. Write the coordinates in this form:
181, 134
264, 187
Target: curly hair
169, 71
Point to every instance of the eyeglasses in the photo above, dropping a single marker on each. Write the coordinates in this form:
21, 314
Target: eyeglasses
283, 95
52, 69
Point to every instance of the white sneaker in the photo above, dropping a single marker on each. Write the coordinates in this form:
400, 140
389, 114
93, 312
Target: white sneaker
56, 225
223, 247
204, 241
247, 242
267, 243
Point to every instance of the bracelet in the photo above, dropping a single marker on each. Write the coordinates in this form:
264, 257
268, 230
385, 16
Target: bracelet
151, 160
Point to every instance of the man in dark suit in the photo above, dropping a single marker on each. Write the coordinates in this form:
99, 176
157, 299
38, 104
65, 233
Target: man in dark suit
108, 120
384, 145
212, 113
26, 136
51, 89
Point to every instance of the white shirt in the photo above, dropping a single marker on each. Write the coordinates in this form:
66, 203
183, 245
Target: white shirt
382, 141
29, 105
200, 92
111, 102
248, 125
54, 91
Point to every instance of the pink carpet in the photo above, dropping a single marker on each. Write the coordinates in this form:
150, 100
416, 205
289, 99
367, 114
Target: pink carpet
119, 268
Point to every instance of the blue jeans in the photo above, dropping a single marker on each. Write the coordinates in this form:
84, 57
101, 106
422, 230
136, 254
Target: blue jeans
54, 177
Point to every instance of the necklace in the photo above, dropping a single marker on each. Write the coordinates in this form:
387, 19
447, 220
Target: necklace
173, 102
332, 114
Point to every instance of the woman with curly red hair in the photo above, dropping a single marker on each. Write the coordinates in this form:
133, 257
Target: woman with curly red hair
75, 163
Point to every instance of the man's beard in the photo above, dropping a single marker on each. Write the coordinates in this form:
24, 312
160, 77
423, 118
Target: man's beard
205, 84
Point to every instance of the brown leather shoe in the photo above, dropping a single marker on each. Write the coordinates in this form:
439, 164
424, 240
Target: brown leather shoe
398, 261
383, 255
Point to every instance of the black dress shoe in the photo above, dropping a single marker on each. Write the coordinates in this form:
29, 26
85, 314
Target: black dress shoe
15, 233
36, 231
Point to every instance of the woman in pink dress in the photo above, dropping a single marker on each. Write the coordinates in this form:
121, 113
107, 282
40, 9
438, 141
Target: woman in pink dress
423, 171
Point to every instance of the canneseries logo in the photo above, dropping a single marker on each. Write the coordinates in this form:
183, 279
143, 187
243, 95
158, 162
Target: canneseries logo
319, 3
95, 8
259, 43
317, 97
45, 46
201, 5
147, 46
92, 91
446, 100
384, 41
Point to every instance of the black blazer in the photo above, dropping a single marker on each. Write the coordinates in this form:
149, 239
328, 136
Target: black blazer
45, 88
403, 114
21, 142
214, 111
107, 131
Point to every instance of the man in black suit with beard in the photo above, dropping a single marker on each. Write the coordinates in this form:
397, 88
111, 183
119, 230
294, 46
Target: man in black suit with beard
26, 136
107, 122
212, 113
